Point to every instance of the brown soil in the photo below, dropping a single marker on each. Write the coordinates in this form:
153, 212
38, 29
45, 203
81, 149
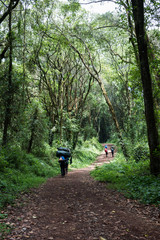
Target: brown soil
78, 207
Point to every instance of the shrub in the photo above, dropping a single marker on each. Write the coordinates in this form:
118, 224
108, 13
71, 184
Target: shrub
85, 154
14, 157
131, 178
4, 229
29, 172
141, 152
3, 162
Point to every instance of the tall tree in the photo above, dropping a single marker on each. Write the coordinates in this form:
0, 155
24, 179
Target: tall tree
153, 138
7, 119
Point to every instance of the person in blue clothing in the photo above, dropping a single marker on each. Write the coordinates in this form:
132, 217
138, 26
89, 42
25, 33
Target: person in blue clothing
62, 162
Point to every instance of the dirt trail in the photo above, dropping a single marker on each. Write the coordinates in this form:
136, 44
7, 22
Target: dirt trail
78, 207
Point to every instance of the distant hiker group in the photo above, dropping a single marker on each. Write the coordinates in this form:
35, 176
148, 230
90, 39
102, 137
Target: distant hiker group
106, 150
64, 155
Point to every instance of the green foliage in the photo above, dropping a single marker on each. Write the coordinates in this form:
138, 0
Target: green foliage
141, 152
86, 153
35, 125
21, 171
13, 156
131, 178
137, 151
93, 145
83, 158
4, 229
3, 162
73, 7
44, 65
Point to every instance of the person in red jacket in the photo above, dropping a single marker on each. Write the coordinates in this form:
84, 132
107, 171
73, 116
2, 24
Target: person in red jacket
106, 150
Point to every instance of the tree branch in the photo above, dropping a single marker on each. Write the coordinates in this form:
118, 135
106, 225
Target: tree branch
98, 1
2, 55
8, 11
4, 3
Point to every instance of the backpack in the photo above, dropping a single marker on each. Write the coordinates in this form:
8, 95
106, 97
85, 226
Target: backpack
105, 150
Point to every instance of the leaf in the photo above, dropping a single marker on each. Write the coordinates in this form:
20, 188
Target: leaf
101, 238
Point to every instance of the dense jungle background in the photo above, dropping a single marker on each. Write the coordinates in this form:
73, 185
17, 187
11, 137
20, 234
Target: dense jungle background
72, 78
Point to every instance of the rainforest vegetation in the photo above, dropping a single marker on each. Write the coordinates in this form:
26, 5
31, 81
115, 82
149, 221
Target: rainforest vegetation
76, 79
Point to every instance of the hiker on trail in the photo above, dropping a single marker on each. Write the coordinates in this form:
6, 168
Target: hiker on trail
62, 162
112, 151
64, 155
106, 150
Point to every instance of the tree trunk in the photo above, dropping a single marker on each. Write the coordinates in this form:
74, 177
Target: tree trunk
75, 139
61, 113
24, 52
51, 137
138, 14
9, 94
32, 131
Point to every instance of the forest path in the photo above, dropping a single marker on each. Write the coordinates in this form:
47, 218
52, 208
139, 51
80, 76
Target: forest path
78, 207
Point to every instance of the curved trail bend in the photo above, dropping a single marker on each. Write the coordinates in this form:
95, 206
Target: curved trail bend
78, 207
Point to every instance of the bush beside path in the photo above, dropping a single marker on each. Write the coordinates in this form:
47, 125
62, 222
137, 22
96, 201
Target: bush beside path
78, 207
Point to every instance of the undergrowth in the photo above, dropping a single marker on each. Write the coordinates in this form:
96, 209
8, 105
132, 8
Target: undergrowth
86, 153
5, 228
30, 172
131, 178
20, 171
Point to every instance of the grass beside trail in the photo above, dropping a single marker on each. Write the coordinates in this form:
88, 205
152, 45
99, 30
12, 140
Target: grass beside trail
86, 154
131, 178
20, 172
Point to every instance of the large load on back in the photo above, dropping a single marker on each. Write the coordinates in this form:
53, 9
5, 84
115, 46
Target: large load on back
62, 151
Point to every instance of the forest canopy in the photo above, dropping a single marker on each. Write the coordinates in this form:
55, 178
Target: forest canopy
68, 75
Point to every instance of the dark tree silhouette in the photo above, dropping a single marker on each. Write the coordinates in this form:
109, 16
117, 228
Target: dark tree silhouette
138, 14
